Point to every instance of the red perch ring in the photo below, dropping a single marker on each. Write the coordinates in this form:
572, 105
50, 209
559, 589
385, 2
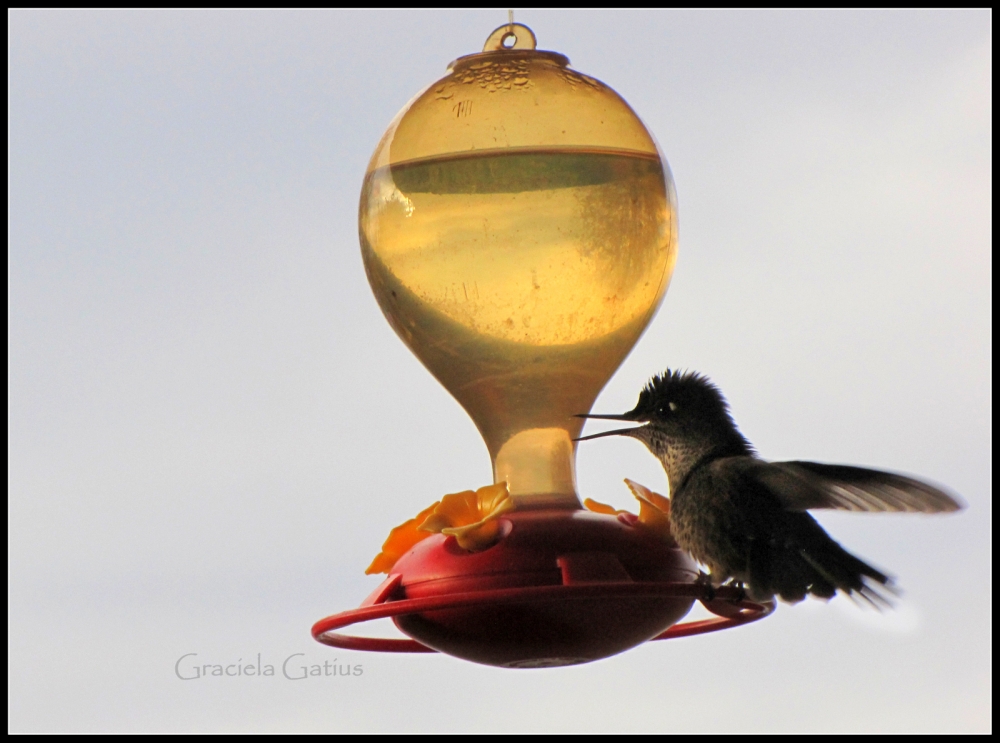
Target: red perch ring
560, 588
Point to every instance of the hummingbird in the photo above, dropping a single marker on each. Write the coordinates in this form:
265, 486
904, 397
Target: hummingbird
746, 518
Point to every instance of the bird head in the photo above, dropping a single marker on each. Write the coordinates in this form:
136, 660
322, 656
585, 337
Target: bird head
673, 405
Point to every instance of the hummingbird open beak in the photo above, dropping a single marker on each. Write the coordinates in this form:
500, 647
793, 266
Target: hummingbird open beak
616, 432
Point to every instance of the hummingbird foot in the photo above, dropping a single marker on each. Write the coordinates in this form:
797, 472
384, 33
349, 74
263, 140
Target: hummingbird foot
705, 581
739, 586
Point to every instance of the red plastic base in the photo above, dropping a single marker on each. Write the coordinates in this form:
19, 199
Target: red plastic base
560, 588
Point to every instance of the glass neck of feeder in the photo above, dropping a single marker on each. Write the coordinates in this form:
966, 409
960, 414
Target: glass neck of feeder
539, 467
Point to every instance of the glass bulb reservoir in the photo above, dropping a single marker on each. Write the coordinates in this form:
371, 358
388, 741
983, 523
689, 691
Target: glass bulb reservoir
519, 228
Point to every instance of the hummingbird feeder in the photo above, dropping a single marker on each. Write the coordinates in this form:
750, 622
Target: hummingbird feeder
518, 225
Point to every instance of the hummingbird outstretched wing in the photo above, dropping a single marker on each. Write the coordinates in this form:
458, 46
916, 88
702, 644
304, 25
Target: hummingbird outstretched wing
802, 486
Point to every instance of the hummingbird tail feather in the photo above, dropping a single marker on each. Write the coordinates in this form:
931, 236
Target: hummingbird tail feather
821, 569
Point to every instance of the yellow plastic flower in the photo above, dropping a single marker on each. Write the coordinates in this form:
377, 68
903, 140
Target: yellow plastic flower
470, 516
654, 509
593, 505
400, 541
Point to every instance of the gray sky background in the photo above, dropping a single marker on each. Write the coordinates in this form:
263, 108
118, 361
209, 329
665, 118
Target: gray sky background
212, 428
